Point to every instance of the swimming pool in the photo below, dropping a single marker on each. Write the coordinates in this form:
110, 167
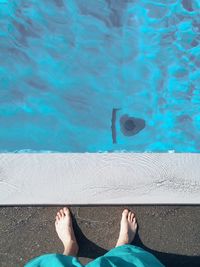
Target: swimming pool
103, 75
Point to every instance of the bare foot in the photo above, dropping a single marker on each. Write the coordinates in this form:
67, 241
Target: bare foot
65, 232
128, 228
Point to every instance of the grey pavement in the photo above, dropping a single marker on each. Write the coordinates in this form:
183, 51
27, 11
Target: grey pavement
171, 233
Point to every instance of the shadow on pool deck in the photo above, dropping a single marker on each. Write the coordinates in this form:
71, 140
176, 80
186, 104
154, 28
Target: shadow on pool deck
92, 251
171, 233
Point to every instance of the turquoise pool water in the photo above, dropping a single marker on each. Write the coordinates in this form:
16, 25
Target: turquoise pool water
99, 75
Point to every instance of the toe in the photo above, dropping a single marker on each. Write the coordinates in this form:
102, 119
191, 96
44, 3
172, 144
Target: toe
129, 216
135, 222
66, 211
132, 216
125, 213
59, 215
62, 213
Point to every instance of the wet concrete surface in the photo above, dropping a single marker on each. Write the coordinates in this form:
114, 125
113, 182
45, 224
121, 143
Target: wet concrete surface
171, 233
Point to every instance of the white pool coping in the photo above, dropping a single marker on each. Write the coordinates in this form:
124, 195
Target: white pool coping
99, 178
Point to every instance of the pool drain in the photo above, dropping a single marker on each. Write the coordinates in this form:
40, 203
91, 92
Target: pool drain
130, 125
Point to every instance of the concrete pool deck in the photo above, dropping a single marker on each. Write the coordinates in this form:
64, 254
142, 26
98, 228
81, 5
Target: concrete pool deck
172, 233
99, 178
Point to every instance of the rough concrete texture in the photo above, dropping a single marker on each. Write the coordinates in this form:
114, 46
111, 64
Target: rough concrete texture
172, 233
100, 178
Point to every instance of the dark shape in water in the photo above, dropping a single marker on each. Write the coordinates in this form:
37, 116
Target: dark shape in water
113, 126
130, 125
59, 3
187, 4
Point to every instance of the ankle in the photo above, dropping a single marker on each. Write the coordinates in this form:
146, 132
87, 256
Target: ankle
121, 243
71, 249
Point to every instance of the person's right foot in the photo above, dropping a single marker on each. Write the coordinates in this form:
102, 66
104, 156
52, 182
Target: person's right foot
65, 232
128, 228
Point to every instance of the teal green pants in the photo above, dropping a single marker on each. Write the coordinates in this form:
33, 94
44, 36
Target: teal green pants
122, 256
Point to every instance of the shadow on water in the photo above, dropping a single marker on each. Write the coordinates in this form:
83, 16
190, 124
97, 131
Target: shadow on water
90, 250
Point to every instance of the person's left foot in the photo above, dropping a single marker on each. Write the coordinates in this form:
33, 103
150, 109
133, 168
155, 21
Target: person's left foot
65, 232
128, 228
